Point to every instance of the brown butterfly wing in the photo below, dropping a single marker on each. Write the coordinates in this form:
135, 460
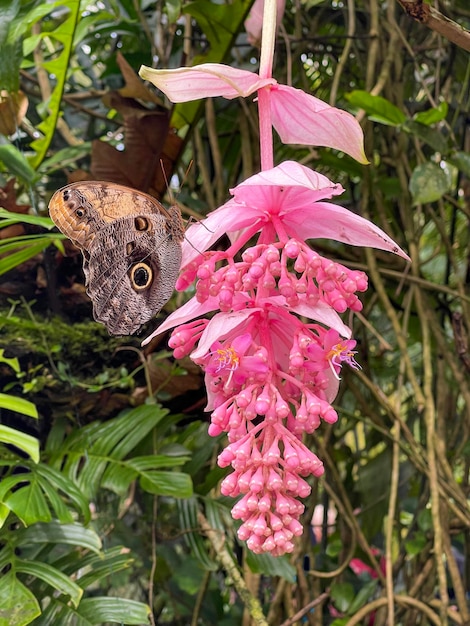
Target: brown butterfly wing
132, 274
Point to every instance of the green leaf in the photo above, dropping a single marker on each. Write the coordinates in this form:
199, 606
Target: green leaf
16, 164
64, 34
8, 11
13, 218
70, 155
54, 532
271, 566
363, 595
428, 183
173, 10
11, 52
29, 16
101, 609
30, 247
114, 560
20, 405
432, 136
378, 109
29, 504
11, 55
18, 606
416, 545
11, 362
171, 484
104, 444
52, 576
342, 595
56, 612
425, 521
117, 478
431, 116
461, 160
188, 509
52, 481
23, 441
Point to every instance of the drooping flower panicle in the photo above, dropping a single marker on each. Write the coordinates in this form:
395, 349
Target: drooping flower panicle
270, 376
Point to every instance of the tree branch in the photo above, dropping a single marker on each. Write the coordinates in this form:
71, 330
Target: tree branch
433, 19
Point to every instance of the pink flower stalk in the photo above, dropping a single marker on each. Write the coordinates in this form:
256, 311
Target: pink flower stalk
270, 376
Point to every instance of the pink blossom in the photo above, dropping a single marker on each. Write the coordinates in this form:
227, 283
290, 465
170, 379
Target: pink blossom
271, 377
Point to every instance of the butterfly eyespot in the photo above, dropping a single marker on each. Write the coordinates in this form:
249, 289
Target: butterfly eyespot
141, 276
130, 247
141, 223
79, 212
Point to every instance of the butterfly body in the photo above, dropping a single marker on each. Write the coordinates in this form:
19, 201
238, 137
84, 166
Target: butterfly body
131, 249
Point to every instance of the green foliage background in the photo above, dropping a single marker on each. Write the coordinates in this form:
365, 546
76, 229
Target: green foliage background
109, 503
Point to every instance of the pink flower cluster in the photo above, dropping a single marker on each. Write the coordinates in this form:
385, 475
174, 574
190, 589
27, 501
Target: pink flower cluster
271, 376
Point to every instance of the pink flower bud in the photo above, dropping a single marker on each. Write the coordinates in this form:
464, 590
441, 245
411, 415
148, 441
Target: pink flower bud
256, 483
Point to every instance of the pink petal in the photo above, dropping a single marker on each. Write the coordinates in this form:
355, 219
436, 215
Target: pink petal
286, 174
324, 314
189, 311
204, 81
230, 217
301, 118
219, 327
324, 220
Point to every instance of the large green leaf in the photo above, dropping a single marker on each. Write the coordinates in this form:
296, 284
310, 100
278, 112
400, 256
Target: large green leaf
18, 606
118, 476
10, 47
342, 595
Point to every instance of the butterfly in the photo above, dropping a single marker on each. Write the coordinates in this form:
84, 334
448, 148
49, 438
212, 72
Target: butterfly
131, 246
